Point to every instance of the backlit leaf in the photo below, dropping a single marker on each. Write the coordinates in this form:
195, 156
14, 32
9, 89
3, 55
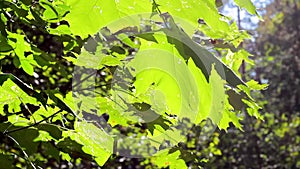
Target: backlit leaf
248, 5
87, 17
94, 140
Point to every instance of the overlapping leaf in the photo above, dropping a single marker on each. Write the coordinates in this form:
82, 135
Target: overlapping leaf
191, 11
94, 140
20, 47
167, 72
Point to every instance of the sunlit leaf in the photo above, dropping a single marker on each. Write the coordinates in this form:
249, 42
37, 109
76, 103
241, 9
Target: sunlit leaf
173, 80
229, 116
191, 11
94, 140
248, 5
164, 159
13, 96
20, 47
87, 17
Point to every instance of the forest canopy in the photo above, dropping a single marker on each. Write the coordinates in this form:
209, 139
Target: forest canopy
90, 84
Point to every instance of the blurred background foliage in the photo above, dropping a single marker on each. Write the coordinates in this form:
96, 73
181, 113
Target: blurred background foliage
274, 142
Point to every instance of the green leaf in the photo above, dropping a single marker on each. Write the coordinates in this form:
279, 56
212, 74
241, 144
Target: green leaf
164, 159
212, 95
162, 74
116, 114
61, 29
205, 92
26, 139
29, 91
87, 17
20, 47
253, 108
12, 95
70, 146
50, 12
218, 96
18, 120
125, 39
202, 58
65, 156
43, 136
53, 130
110, 61
229, 116
134, 7
248, 5
256, 86
190, 11
27, 64
23, 86
164, 81
235, 60
60, 102
94, 140
4, 45
90, 60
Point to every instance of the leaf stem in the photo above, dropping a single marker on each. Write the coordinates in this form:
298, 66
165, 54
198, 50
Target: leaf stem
159, 12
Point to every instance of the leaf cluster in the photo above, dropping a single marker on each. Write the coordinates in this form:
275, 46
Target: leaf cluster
84, 80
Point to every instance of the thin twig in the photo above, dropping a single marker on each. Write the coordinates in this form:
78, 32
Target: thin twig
39, 122
159, 12
27, 109
156, 6
25, 154
80, 81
